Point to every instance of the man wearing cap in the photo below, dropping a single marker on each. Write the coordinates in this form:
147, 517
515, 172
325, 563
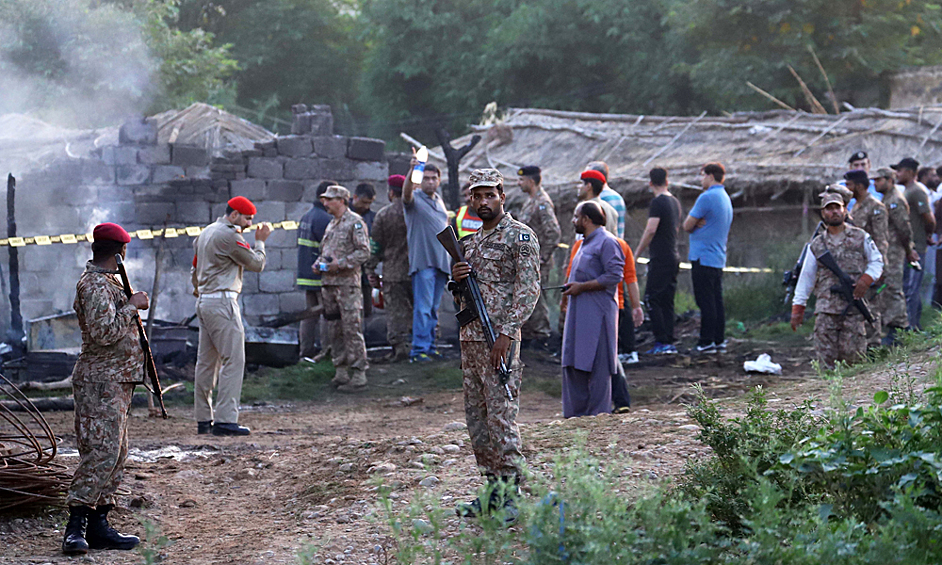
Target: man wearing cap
389, 245
923, 223
310, 233
610, 197
221, 256
590, 190
899, 252
345, 249
110, 365
860, 161
539, 215
870, 216
505, 257
838, 336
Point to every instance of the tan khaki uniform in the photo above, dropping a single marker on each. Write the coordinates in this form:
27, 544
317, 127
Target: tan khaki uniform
900, 237
221, 256
389, 245
540, 215
110, 364
348, 242
870, 215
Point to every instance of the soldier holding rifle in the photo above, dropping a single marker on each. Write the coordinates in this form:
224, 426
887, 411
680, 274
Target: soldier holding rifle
842, 263
504, 257
110, 365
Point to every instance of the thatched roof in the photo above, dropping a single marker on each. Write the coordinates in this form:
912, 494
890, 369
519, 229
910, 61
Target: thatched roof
762, 151
209, 127
27, 143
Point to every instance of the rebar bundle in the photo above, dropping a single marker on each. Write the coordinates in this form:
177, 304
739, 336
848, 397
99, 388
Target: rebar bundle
27, 450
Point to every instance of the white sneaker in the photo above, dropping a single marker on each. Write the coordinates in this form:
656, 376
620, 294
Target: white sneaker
629, 358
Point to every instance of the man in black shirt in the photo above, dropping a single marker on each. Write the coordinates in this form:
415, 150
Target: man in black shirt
660, 235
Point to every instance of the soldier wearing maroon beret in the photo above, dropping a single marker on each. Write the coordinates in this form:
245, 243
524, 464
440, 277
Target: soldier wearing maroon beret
110, 365
221, 256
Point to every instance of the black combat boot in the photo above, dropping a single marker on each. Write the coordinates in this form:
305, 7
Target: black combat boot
74, 541
100, 535
203, 428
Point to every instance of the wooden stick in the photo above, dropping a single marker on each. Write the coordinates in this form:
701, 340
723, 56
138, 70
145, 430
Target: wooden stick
417, 143
769, 96
676, 137
827, 81
937, 124
816, 107
825, 132
775, 133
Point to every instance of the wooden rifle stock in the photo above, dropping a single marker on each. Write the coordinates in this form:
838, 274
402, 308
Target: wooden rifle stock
149, 367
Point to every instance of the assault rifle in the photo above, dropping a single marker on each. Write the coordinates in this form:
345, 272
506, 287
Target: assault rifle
474, 308
790, 280
845, 287
149, 367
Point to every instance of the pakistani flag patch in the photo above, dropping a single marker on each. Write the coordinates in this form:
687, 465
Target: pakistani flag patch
524, 237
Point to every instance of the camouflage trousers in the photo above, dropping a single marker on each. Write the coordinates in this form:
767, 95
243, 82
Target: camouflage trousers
892, 299
101, 432
538, 326
839, 338
397, 297
343, 310
874, 332
491, 416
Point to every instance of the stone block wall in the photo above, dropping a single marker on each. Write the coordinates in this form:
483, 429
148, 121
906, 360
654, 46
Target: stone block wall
141, 184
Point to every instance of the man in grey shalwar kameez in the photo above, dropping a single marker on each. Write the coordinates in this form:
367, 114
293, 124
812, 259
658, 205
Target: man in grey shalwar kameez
589, 338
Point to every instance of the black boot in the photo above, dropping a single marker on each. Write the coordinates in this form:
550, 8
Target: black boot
74, 541
100, 535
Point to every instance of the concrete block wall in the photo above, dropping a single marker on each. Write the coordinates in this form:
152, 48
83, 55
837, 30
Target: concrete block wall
142, 184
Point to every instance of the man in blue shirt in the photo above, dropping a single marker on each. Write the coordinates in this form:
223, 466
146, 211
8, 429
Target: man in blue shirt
708, 225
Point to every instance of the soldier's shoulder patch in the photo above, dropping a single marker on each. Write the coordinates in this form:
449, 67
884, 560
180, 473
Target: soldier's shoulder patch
524, 250
893, 206
543, 207
243, 244
524, 237
358, 225
876, 212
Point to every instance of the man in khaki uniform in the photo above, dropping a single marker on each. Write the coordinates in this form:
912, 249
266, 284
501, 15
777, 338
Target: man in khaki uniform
539, 214
221, 255
346, 246
870, 216
900, 250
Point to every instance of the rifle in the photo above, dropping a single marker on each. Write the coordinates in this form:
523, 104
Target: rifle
149, 367
475, 309
845, 288
790, 280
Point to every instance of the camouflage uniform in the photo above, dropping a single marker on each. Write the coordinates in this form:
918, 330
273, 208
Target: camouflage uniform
540, 215
109, 366
390, 246
900, 242
838, 337
870, 216
506, 264
346, 240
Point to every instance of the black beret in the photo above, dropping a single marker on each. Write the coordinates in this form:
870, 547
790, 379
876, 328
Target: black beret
858, 176
529, 170
858, 156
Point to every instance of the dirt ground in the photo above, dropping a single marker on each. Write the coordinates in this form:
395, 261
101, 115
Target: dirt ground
305, 479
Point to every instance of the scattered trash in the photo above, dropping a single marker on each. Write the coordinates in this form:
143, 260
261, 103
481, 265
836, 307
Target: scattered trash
763, 364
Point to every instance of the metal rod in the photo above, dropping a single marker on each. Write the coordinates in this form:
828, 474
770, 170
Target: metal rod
15, 334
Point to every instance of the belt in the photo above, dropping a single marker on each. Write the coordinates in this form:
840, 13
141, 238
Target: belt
220, 294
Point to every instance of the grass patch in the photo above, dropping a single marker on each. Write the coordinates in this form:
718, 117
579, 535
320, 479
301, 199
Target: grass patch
780, 332
303, 381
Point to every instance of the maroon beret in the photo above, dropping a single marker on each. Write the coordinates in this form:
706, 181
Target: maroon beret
242, 205
110, 232
590, 174
396, 181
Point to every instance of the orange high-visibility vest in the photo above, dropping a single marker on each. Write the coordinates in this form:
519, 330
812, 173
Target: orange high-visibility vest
467, 222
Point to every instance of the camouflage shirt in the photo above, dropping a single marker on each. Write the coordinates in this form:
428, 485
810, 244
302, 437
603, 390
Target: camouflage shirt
111, 346
540, 215
870, 216
899, 230
506, 262
389, 243
347, 240
855, 253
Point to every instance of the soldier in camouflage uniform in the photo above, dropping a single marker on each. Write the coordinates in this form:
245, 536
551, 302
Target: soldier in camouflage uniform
346, 246
505, 257
110, 365
870, 215
838, 336
899, 250
390, 246
540, 215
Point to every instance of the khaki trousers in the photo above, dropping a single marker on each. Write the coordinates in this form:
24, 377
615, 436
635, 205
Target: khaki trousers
221, 358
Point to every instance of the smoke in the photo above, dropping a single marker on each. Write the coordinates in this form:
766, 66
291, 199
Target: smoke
73, 62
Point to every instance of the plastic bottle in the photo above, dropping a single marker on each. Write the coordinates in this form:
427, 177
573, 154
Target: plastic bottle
422, 157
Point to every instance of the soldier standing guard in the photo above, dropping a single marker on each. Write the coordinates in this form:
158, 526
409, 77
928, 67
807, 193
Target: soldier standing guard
345, 248
839, 333
389, 245
539, 214
505, 256
110, 365
221, 255
870, 216
900, 250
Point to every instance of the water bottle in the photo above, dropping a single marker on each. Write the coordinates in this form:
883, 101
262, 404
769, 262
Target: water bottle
422, 157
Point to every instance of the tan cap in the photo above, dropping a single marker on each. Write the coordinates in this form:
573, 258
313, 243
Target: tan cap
839, 189
336, 191
486, 177
831, 198
884, 173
